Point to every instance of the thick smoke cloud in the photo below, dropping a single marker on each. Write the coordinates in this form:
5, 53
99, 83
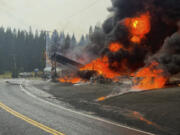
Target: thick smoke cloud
97, 39
164, 15
169, 54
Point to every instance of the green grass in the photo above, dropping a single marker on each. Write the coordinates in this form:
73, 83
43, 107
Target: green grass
6, 75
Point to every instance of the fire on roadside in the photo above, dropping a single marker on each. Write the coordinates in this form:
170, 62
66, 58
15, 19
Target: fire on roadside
72, 80
150, 77
101, 99
138, 27
101, 66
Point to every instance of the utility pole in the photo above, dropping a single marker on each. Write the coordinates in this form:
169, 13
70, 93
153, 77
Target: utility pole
54, 65
52, 55
52, 58
47, 48
14, 71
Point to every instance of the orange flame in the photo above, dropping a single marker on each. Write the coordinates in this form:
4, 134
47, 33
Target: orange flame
115, 47
150, 77
136, 39
138, 27
101, 99
70, 80
101, 66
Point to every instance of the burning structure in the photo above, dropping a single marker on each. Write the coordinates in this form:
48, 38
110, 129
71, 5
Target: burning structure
68, 67
140, 39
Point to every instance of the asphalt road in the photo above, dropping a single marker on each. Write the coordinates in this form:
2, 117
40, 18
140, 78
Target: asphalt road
21, 114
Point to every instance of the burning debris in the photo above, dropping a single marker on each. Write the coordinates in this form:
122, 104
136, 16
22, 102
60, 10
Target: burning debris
70, 80
150, 77
166, 62
65, 61
101, 66
131, 44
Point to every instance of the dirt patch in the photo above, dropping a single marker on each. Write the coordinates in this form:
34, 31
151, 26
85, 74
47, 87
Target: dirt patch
159, 106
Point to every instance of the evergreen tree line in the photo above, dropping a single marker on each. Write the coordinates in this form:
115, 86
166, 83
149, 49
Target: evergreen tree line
24, 51
21, 51
61, 42
76, 50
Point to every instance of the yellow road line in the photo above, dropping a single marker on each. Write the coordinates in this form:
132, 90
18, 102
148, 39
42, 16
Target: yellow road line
30, 121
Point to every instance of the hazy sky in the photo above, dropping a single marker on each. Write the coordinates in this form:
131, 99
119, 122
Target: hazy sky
73, 16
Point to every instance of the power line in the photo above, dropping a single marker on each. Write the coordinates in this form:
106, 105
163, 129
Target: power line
83, 10
6, 8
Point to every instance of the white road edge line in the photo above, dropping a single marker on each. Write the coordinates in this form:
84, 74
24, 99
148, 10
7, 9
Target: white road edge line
86, 115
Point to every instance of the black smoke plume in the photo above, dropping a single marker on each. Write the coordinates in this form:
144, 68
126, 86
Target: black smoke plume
164, 15
169, 54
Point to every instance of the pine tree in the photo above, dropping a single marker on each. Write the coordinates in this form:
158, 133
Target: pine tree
21, 51
54, 42
82, 41
73, 41
67, 42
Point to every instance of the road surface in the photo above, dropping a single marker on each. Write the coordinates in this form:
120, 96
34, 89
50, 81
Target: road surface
21, 114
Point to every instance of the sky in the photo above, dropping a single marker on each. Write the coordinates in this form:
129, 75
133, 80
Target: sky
70, 16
